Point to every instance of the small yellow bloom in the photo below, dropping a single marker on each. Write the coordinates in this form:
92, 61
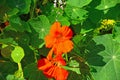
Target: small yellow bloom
106, 22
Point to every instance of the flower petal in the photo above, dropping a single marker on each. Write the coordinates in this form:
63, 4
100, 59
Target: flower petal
44, 64
55, 28
49, 56
63, 47
49, 72
49, 41
59, 59
61, 74
67, 32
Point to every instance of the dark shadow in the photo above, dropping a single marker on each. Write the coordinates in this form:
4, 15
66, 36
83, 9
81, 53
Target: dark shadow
94, 15
95, 3
93, 58
113, 13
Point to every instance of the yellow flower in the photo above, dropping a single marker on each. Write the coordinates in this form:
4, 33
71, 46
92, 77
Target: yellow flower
106, 22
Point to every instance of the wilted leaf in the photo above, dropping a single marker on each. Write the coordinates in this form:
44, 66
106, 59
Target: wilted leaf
6, 51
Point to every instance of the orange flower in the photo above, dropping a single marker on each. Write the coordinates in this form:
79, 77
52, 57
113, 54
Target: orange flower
52, 68
59, 39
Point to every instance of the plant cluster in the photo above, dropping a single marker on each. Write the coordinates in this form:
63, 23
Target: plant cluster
59, 39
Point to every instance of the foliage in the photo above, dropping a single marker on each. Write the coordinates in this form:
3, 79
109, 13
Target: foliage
96, 27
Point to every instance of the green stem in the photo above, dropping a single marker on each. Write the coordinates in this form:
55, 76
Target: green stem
35, 56
19, 66
33, 6
66, 56
20, 70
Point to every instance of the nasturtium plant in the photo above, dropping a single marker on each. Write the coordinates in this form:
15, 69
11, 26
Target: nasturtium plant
59, 40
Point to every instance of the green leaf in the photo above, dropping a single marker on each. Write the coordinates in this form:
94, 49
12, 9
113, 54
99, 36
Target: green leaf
75, 14
12, 7
22, 5
111, 56
41, 25
105, 4
77, 70
32, 73
116, 33
56, 14
6, 67
78, 3
80, 43
35, 41
12, 12
17, 54
7, 41
12, 77
47, 9
20, 38
92, 54
44, 2
112, 14
3, 8
17, 24
26, 8
73, 66
74, 75
63, 20
77, 39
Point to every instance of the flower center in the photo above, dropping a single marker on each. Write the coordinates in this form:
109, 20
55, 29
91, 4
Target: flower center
56, 63
59, 36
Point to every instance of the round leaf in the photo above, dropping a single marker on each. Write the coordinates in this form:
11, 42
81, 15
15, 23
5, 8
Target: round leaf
41, 25
17, 54
110, 55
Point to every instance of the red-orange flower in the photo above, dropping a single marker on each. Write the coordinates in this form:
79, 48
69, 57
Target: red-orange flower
59, 39
52, 68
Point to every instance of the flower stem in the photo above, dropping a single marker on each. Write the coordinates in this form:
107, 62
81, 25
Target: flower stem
66, 56
33, 6
20, 70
